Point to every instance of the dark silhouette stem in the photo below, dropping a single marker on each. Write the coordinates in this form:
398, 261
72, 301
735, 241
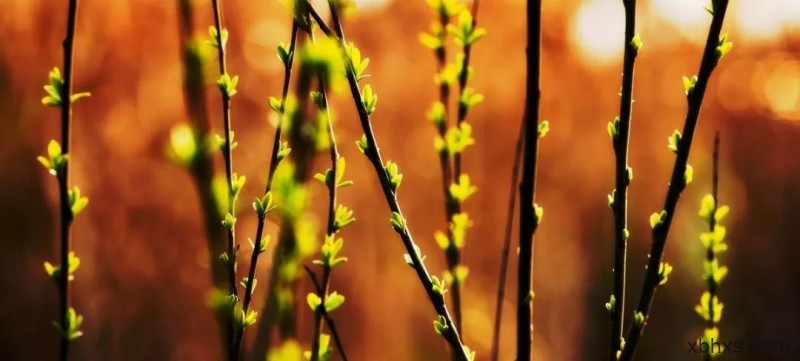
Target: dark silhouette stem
501, 282
63, 176
228, 159
454, 253
264, 328
620, 206
677, 184
527, 217
273, 165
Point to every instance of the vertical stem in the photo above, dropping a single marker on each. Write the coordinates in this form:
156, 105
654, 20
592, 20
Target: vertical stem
620, 207
63, 178
227, 155
454, 253
527, 217
712, 224
501, 282
302, 144
677, 183
273, 165
264, 331
331, 227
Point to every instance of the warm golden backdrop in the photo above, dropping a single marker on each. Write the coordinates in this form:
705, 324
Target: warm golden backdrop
143, 281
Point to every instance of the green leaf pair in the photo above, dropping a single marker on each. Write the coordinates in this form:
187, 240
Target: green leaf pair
55, 160
343, 217
394, 176
704, 311
70, 329
77, 203
55, 271
332, 301
219, 39
264, 205
335, 181
55, 89
330, 251
227, 85
464, 32
463, 189
456, 140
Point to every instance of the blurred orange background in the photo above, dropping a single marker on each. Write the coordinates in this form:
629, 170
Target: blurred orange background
143, 280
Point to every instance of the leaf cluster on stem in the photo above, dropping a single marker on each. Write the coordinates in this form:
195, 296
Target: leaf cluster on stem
57, 161
452, 140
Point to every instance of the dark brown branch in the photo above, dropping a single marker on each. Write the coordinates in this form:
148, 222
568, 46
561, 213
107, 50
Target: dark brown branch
677, 183
620, 206
273, 165
228, 160
63, 175
501, 282
528, 220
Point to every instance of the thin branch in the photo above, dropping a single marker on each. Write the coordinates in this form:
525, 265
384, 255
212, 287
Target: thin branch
273, 165
228, 159
264, 328
528, 220
450, 204
677, 182
372, 153
63, 175
501, 282
623, 178
331, 227
710, 253
454, 253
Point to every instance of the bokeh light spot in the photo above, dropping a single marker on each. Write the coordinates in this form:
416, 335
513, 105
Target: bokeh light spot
371, 4
782, 90
597, 31
758, 19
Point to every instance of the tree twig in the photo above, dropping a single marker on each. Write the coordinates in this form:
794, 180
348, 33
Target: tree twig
273, 165
711, 254
264, 328
63, 175
695, 94
623, 179
528, 218
322, 290
501, 282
